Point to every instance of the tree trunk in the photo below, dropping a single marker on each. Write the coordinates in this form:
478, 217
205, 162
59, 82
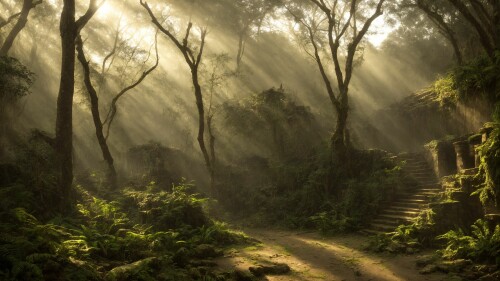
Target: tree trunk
445, 29
496, 23
481, 31
340, 138
94, 107
64, 119
201, 121
212, 153
241, 49
20, 24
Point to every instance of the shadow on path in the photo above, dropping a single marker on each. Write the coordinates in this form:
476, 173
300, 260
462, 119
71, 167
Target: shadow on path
313, 257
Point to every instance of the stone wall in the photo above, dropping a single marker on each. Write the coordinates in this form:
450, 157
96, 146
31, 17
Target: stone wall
419, 119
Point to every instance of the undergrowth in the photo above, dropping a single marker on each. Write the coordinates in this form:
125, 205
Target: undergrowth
142, 233
481, 245
475, 79
489, 169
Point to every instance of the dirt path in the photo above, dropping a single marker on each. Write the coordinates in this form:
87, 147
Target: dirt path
313, 257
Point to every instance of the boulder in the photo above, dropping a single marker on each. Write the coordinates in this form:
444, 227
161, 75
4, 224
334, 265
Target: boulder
274, 269
125, 272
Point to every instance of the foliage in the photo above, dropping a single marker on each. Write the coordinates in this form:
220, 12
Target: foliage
169, 210
15, 80
305, 194
30, 182
482, 245
475, 79
275, 123
407, 238
489, 169
447, 94
31, 250
359, 201
479, 78
107, 237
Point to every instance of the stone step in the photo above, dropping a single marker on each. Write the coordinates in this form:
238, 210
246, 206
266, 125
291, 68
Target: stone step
417, 167
413, 163
410, 213
403, 209
420, 171
409, 205
423, 185
372, 232
431, 188
421, 190
426, 184
382, 227
401, 218
411, 200
425, 179
422, 196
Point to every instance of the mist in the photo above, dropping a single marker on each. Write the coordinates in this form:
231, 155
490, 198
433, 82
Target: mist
161, 109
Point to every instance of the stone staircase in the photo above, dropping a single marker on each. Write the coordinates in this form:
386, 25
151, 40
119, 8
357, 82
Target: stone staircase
410, 202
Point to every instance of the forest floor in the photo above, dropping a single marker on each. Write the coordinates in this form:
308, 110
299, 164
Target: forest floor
315, 257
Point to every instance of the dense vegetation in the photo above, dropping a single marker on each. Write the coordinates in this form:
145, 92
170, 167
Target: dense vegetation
196, 141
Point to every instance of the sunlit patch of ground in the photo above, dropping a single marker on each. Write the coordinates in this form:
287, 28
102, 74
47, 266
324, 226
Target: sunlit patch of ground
313, 257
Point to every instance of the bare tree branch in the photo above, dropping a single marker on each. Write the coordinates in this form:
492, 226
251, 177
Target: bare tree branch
113, 108
28, 5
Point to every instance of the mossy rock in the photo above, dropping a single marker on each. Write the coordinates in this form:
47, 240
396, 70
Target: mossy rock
126, 272
425, 260
428, 269
274, 269
204, 251
458, 265
240, 275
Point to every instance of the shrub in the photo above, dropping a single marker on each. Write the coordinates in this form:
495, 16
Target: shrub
482, 245
170, 210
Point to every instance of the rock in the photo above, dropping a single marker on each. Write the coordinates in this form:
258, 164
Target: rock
204, 251
124, 272
425, 260
395, 247
428, 269
275, 269
454, 265
240, 275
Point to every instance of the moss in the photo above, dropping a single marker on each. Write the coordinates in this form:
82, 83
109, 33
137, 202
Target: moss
446, 93
489, 169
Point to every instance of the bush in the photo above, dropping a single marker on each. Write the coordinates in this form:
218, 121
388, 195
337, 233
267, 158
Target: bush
479, 78
170, 210
15, 80
482, 245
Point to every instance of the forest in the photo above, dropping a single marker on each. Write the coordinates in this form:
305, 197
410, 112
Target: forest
247, 140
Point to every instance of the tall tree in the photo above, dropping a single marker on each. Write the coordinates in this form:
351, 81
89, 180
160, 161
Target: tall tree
439, 19
342, 25
484, 17
193, 57
461, 20
70, 29
102, 127
250, 17
22, 19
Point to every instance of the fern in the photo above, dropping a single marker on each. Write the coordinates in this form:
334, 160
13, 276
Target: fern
483, 244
